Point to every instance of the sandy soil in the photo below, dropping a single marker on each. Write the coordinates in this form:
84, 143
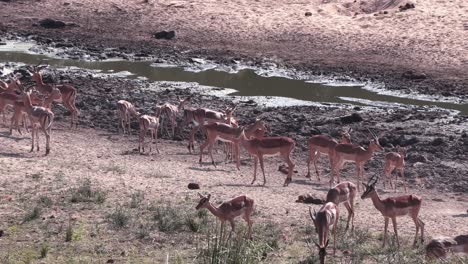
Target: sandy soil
360, 37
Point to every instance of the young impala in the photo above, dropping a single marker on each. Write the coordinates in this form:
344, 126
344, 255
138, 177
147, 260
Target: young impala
393, 207
38, 116
68, 92
354, 153
126, 111
345, 193
228, 211
150, 123
395, 160
327, 215
323, 144
269, 146
171, 111
440, 247
19, 110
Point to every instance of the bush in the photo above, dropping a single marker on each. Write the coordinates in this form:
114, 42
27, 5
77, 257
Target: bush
119, 218
35, 213
137, 199
177, 218
84, 193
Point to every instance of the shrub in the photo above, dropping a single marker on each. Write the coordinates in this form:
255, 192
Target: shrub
84, 193
33, 214
119, 218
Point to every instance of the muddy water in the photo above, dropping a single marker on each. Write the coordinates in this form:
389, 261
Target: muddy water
246, 81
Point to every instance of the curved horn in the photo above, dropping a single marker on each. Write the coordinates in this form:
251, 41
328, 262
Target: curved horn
312, 216
372, 133
201, 196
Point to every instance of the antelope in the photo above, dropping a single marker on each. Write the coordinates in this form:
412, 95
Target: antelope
19, 111
126, 110
150, 123
228, 211
345, 193
227, 133
41, 116
323, 144
7, 99
202, 116
395, 160
354, 153
438, 248
269, 146
171, 111
393, 207
327, 215
68, 93
13, 86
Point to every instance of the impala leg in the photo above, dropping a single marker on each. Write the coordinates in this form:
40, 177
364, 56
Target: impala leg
402, 176
156, 139
237, 153
47, 134
421, 224
316, 157
290, 171
255, 169
260, 158
233, 226
249, 224
192, 138
334, 229
309, 159
385, 231
32, 138
416, 223
210, 150
151, 141
395, 229
128, 122
37, 139
202, 147
141, 141
350, 214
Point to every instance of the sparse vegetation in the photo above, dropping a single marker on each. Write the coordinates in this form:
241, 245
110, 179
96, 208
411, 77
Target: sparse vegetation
177, 218
120, 218
85, 193
44, 250
45, 201
115, 169
33, 214
137, 199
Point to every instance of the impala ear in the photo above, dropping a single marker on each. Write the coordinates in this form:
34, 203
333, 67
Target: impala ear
365, 185
312, 216
326, 245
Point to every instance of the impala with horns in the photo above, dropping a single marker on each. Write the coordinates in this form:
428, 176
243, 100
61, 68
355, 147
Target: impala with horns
439, 248
202, 116
68, 92
345, 193
228, 211
327, 216
393, 207
150, 123
227, 133
38, 116
323, 144
354, 153
269, 146
171, 111
126, 110
395, 161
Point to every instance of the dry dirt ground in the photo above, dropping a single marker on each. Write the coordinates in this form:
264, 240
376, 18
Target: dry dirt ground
112, 164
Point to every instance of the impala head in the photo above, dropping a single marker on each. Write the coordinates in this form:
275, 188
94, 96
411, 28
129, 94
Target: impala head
323, 236
204, 200
15, 82
322, 251
36, 72
402, 151
158, 110
346, 136
374, 143
370, 186
183, 102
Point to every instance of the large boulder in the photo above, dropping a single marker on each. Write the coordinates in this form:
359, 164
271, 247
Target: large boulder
51, 23
164, 35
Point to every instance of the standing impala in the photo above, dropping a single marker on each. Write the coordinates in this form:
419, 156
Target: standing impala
269, 146
227, 211
150, 123
41, 116
19, 110
323, 144
354, 153
395, 160
327, 215
68, 93
393, 207
345, 193
171, 111
126, 110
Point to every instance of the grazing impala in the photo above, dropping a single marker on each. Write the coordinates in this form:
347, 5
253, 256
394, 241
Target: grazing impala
126, 110
38, 116
227, 133
393, 207
345, 193
323, 144
438, 248
150, 123
201, 116
68, 92
269, 146
171, 111
327, 215
228, 211
395, 160
354, 153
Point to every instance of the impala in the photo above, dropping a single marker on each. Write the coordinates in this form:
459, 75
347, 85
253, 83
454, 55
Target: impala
228, 211
395, 160
7, 99
126, 110
269, 146
201, 116
150, 123
393, 207
323, 144
327, 215
171, 111
68, 92
19, 111
345, 193
41, 116
354, 153
438, 248
226, 133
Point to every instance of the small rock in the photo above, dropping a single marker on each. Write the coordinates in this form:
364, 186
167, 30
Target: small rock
193, 186
415, 158
1, 233
437, 142
354, 118
164, 35
51, 23
110, 261
309, 199
308, 14
406, 7
414, 75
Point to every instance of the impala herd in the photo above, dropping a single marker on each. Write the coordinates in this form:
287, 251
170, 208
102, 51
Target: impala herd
36, 103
